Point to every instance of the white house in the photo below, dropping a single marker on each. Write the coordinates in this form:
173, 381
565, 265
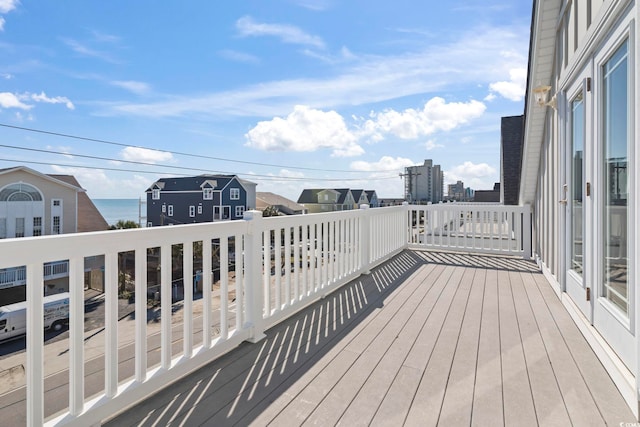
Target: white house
579, 171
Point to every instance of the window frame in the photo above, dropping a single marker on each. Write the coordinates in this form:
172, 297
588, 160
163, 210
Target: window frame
234, 193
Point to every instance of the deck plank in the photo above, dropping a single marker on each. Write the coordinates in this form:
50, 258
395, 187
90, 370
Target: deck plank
367, 402
427, 402
605, 394
458, 399
372, 345
518, 400
549, 405
425, 339
487, 396
579, 402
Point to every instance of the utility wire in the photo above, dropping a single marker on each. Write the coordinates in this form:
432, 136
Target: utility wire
245, 176
199, 156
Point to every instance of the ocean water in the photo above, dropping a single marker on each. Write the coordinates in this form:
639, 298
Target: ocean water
114, 210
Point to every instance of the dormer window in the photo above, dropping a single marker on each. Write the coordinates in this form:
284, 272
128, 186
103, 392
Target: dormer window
207, 193
155, 194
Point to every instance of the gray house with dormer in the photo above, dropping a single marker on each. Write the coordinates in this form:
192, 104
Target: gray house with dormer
203, 198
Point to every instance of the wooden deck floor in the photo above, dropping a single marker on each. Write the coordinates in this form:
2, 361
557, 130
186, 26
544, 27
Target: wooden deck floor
426, 339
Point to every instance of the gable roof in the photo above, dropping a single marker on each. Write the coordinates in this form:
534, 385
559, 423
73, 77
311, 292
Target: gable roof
52, 178
89, 217
196, 183
357, 194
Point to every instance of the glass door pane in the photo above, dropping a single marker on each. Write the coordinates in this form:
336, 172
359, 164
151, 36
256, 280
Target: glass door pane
576, 186
615, 146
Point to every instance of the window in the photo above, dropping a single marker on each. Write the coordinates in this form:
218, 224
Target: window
20, 192
149, 224
207, 193
615, 158
57, 226
155, 194
37, 226
326, 197
234, 193
3, 228
57, 202
3, 323
164, 208
170, 210
239, 211
19, 227
199, 209
192, 211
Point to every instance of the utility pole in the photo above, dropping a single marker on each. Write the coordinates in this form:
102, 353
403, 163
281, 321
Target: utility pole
408, 184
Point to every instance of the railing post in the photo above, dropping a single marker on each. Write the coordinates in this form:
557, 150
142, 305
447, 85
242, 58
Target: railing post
406, 225
526, 232
253, 266
365, 239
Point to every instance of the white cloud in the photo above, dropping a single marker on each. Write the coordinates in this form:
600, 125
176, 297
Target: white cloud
7, 6
144, 155
361, 80
477, 176
22, 118
234, 55
2, 21
437, 115
139, 88
287, 33
315, 5
431, 145
84, 50
513, 89
386, 164
305, 129
42, 97
9, 100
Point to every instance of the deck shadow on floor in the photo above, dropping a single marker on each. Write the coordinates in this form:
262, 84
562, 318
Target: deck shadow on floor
239, 386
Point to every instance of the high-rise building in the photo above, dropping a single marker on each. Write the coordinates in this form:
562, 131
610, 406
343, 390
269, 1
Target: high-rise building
424, 183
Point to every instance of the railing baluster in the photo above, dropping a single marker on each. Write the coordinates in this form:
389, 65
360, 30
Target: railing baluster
165, 305
111, 323
296, 263
207, 283
224, 288
35, 346
187, 285
76, 335
287, 266
277, 268
140, 276
240, 285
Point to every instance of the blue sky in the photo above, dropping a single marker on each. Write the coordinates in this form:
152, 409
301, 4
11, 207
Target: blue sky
290, 94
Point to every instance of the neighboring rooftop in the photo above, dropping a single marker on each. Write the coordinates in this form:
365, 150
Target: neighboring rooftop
89, 217
284, 205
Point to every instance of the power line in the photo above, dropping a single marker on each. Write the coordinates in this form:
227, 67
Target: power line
199, 156
245, 176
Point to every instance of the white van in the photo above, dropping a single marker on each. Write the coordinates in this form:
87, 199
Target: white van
13, 317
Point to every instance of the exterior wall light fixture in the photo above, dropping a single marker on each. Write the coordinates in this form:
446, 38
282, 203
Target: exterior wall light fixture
541, 93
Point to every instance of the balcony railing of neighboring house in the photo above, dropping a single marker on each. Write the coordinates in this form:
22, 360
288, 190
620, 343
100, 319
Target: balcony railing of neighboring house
17, 276
282, 264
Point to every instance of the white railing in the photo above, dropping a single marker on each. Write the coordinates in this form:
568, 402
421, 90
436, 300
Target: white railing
280, 265
469, 227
